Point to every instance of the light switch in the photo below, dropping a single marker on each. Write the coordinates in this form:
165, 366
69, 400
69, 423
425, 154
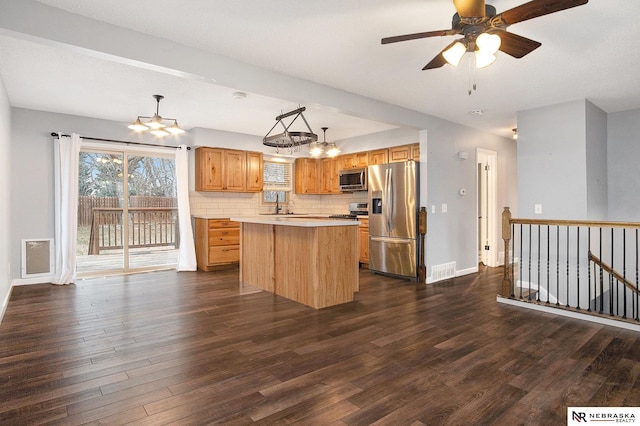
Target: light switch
433, 208
444, 208
538, 209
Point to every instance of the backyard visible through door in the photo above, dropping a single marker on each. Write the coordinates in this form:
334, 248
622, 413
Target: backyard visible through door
127, 213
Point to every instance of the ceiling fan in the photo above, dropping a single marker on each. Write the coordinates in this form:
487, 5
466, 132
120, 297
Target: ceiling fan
484, 32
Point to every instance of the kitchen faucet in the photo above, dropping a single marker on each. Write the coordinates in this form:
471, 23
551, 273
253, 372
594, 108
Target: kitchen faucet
278, 208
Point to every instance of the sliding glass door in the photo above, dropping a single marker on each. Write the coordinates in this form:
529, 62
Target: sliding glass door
127, 212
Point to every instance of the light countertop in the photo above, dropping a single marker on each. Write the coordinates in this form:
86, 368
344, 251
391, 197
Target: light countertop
294, 220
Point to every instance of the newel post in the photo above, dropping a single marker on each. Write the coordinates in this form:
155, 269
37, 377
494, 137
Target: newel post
508, 268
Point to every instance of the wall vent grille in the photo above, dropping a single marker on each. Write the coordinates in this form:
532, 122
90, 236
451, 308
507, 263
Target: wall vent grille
443, 271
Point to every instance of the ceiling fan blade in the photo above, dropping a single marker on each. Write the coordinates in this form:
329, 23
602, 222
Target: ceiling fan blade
436, 62
439, 33
515, 45
470, 8
536, 8
439, 60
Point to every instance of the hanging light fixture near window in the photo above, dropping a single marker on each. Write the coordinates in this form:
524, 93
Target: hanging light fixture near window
157, 125
316, 149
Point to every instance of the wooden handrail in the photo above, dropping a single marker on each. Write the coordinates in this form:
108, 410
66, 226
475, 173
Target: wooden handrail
595, 224
631, 286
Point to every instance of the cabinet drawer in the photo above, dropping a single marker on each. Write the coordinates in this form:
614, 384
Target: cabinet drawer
224, 237
224, 254
223, 223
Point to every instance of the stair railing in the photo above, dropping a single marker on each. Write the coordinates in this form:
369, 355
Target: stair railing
587, 266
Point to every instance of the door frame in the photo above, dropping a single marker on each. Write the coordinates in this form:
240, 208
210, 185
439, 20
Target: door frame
107, 148
490, 158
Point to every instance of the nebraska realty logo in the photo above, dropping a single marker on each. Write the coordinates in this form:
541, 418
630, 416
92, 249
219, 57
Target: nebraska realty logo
602, 415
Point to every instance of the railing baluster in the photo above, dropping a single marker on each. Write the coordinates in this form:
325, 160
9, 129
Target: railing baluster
521, 274
601, 277
513, 254
558, 265
529, 277
589, 268
637, 280
548, 263
611, 289
567, 285
624, 273
577, 269
538, 292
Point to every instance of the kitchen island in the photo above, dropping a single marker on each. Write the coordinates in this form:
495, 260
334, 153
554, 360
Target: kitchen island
313, 261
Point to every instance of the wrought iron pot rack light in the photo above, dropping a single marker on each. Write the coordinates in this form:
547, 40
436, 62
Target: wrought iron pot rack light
291, 140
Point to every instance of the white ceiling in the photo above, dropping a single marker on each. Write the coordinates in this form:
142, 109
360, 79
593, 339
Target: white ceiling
589, 52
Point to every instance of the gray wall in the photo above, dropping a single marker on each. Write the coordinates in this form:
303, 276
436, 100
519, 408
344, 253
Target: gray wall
596, 122
623, 158
562, 161
5, 198
32, 176
552, 161
451, 236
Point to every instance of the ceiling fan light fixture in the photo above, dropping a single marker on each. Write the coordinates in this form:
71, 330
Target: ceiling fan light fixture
454, 54
484, 60
488, 43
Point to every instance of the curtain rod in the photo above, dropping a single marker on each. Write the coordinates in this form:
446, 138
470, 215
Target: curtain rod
54, 134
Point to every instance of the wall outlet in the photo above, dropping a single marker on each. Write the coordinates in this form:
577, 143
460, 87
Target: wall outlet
537, 209
444, 208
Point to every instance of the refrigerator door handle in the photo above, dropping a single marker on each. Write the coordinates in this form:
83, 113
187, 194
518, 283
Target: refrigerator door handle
390, 200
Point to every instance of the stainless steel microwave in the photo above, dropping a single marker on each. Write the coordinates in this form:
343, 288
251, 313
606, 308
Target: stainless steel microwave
353, 179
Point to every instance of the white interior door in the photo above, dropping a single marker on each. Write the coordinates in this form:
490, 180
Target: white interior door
487, 207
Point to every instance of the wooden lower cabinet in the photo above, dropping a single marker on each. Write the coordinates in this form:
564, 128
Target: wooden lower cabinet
217, 243
363, 239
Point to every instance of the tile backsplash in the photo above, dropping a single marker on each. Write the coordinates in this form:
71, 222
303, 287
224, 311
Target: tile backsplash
249, 204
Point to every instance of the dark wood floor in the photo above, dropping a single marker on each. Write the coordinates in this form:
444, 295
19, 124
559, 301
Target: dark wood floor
189, 348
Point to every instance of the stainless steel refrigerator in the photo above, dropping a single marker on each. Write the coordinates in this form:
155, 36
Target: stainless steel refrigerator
393, 211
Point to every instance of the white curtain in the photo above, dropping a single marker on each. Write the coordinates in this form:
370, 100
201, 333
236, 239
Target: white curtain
66, 153
187, 251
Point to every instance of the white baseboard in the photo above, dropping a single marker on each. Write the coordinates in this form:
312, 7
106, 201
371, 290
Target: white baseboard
570, 314
5, 304
458, 273
30, 281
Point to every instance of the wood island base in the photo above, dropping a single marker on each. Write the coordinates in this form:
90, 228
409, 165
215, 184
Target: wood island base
313, 265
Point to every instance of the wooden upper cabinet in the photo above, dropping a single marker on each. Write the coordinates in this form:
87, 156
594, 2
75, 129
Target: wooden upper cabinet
404, 153
219, 169
379, 156
306, 175
329, 176
209, 164
235, 170
353, 161
346, 161
255, 172
361, 159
